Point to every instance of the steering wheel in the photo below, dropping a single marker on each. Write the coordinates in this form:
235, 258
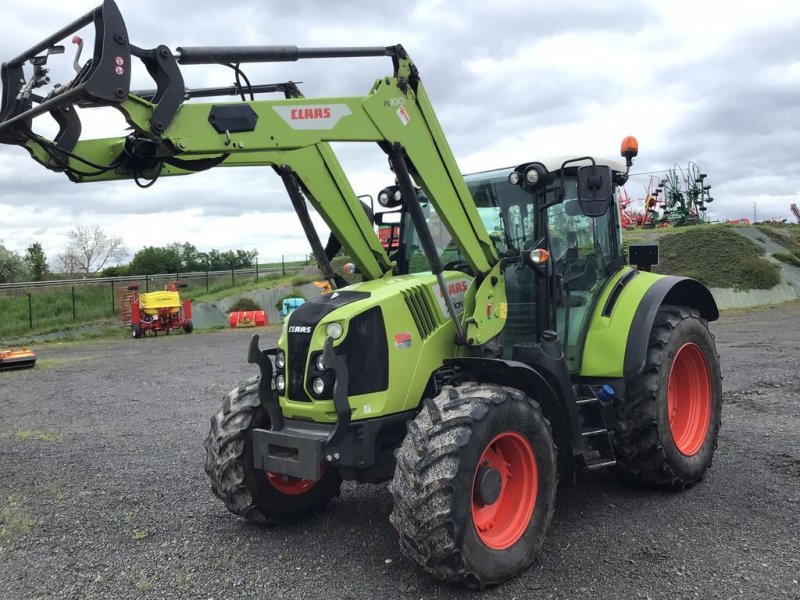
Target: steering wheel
458, 265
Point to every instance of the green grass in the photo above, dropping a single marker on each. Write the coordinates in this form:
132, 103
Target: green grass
716, 256
37, 435
14, 519
787, 236
52, 308
790, 259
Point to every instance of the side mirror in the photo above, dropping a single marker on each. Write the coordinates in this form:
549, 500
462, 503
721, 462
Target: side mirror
595, 189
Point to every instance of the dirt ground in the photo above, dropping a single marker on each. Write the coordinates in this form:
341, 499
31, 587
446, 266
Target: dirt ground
103, 494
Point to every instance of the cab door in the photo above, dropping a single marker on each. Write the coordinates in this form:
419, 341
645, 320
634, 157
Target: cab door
582, 250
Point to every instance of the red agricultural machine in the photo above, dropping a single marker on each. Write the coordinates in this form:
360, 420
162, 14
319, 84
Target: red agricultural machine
20, 358
155, 312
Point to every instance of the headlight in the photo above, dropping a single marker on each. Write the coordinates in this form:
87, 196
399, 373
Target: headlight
513, 179
383, 199
320, 363
318, 386
334, 330
280, 384
532, 175
280, 360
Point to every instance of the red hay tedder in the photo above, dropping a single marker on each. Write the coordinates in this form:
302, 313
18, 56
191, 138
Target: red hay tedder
155, 312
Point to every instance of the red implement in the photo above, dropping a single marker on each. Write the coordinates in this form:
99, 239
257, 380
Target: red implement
17, 359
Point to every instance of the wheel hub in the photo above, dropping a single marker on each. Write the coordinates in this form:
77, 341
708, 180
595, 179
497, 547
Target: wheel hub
488, 486
504, 490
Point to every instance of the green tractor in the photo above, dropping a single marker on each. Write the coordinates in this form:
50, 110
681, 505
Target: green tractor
503, 346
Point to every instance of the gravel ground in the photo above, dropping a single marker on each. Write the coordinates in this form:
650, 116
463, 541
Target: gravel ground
103, 494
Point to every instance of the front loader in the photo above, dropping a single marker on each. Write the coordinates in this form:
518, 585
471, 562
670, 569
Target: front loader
503, 345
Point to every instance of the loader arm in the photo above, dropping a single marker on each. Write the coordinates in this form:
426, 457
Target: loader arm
172, 137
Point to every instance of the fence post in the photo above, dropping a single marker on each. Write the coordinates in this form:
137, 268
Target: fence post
233, 280
206, 278
256, 268
113, 309
146, 283
74, 312
30, 309
283, 267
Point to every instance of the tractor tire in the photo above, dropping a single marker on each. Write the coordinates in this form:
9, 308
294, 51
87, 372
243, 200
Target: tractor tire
668, 423
259, 496
188, 327
136, 331
475, 484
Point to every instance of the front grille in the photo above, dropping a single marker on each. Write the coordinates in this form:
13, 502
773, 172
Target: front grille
305, 319
419, 306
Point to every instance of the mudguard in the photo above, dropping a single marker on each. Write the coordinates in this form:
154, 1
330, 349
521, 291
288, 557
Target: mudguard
617, 337
551, 393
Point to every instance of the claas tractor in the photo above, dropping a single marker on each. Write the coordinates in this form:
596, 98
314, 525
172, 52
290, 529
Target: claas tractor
155, 312
503, 347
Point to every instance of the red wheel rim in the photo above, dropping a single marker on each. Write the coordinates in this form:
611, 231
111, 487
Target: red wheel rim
689, 399
291, 486
501, 524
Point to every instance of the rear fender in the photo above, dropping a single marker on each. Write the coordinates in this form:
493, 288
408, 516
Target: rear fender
617, 337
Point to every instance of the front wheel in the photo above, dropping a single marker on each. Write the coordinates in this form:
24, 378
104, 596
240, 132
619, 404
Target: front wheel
668, 422
259, 496
188, 327
475, 484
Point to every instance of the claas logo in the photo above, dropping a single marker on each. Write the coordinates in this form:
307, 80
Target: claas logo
310, 113
456, 287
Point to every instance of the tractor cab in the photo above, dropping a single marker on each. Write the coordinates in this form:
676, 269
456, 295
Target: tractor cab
582, 252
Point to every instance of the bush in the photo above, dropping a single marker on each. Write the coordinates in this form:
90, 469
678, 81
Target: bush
244, 304
791, 259
759, 274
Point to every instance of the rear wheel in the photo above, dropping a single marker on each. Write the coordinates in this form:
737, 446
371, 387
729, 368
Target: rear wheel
260, 496
475, 483
136, 331
188, 327
668, 423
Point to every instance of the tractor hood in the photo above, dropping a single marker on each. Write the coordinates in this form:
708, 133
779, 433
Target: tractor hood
392, 332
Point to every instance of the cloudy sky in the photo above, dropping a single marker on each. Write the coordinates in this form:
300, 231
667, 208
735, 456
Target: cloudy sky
717, 83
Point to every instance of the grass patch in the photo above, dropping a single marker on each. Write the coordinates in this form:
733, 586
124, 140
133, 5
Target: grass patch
717, 257
787, 236
14, 519
37, 435
50, 310
789, 259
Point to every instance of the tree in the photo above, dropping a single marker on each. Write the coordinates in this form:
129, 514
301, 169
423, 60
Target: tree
12, 267
89, 250
155, 259
36, 261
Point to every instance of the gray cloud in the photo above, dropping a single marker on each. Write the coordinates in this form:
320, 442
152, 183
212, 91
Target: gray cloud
740, 118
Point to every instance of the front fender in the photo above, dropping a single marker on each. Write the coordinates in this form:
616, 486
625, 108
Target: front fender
618, 334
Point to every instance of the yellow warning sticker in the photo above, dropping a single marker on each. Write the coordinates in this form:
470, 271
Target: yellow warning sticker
503, 310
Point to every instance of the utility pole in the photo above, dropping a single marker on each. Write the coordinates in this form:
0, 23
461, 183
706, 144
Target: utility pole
754, 212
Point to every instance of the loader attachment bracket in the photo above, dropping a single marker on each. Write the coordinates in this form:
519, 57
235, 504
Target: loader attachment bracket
104, 79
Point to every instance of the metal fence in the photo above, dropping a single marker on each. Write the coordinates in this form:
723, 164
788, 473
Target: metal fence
26, 306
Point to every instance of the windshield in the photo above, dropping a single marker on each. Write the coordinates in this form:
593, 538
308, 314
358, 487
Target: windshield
505, 210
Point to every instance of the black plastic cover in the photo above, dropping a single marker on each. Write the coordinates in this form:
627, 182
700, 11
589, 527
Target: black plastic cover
233, 118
